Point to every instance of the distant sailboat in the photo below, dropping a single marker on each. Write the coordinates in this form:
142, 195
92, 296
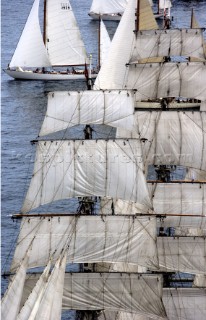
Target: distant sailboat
60, 46
108, 9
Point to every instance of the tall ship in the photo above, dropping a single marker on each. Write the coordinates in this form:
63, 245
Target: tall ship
138, 234
57, 54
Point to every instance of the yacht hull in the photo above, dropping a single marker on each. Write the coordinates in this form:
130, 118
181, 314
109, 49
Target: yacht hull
116, 17
29, 75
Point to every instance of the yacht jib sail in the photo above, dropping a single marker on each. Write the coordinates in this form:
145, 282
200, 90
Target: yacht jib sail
62, 45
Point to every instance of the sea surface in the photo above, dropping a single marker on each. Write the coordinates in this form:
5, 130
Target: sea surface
23, 106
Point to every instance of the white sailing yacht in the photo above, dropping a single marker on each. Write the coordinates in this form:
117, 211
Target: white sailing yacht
60, 46
139, 239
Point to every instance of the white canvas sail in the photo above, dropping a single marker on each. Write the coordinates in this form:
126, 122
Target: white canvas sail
165, 4
67, 109
182, 254
108, 6
179, 303
51, 303
105, 43
183, 204
89, 239
154, 80
173, 138
66, 169
11, 301
200, 281
135, 292
31, 305
63, 40
30, 51
150, 44
186, 303
112, 73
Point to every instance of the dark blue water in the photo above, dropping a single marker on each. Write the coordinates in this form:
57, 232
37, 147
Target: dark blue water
24, 104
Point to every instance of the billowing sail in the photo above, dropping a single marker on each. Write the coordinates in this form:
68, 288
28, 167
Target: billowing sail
179, 303
183, 204
111, 291
173, 138
108, 6
89, 239
63, 40
66, 169
187, 201
113, 71
67, 109
31, 305
105, 43
30, 51
11, 301
182, 254
159, 80
151, 44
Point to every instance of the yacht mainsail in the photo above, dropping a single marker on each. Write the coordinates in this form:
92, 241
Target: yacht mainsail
63, 44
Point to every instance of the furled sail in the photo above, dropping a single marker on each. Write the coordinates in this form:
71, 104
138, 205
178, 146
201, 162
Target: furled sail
66, 169
67, 109
30, 51
173, 138
182, 254
105, 43
108, 6
11, 301
89, 239
159, 80
138, 293
161, 43
63, 40
113, 71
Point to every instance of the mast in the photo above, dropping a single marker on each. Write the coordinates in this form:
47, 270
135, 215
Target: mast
99, 39
44, 31
137, 15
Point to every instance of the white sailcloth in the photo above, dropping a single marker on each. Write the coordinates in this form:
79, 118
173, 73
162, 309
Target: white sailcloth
67, 109
200, 280
63, 40
105, 43
180, 303
108, 6
112, 73
158, 80
90, 239
182, 254
51, 303
185, 303
165, 4
137, 293
173, 138
30, 51
31, 305
161, 43
66, 169
184, 204
11, 301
